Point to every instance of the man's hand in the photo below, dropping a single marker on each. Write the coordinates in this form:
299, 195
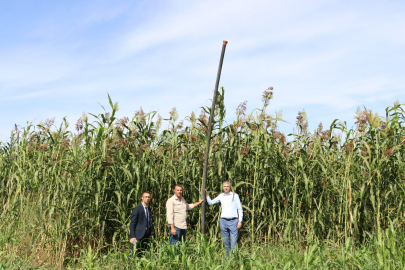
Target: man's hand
133, 240
206, 193
200, 202
174, 232
239, 225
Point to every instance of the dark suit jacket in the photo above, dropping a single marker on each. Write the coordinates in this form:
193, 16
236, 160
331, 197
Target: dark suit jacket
137, 228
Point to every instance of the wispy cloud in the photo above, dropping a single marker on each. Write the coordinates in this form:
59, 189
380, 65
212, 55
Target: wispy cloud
328, 57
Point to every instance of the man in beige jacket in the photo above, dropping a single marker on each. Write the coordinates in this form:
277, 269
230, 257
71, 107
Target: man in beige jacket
176, 208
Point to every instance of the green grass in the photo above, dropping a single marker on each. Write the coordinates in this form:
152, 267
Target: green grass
383, 252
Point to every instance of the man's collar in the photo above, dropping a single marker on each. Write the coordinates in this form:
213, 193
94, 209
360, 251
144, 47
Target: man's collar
175, 197
230, 192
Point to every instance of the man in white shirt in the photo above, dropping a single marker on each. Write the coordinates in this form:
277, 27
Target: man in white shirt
231, 215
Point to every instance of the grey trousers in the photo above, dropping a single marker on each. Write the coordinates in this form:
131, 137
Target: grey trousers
229, 230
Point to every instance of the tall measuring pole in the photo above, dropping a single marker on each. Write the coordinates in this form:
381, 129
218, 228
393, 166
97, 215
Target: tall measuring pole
207, 148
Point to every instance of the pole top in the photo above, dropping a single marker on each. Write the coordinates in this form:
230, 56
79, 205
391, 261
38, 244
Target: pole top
225, 42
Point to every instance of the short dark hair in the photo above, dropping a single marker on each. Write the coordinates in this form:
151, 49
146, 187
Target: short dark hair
146, 192
178, 185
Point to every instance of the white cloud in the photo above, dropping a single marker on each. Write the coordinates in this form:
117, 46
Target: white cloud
328, 57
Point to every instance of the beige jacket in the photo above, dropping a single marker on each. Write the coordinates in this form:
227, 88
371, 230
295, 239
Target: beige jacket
176, 212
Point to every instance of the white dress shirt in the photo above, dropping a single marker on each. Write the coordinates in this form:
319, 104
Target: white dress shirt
231, 206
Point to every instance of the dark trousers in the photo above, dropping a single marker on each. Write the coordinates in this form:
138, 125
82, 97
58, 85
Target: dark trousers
140, 247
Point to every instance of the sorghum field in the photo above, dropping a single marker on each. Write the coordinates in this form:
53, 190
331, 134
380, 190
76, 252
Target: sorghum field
328, 199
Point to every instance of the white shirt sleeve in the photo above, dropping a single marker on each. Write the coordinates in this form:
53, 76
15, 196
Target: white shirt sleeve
214, 201
239, 207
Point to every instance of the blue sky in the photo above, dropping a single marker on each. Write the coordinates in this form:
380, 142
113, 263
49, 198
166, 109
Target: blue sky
60, 58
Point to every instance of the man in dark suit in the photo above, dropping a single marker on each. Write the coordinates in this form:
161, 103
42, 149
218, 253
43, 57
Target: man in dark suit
140, 227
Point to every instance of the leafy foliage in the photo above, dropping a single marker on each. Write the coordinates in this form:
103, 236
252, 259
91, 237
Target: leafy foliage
64, 192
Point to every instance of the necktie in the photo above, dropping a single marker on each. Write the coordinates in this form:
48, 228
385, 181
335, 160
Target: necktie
147, 220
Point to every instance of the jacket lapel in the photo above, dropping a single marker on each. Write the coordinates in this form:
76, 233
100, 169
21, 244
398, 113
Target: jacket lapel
144, 213
143, 210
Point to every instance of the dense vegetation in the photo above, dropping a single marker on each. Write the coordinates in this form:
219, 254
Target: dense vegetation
64, 193
383, 252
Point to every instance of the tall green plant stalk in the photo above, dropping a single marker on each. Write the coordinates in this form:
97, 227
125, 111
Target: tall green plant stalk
80, 187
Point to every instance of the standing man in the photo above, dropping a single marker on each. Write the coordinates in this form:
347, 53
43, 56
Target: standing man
140, 227
231, 215
176, 208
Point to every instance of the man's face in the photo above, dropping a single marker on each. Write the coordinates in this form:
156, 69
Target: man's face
146, 198
178, 191
226, 187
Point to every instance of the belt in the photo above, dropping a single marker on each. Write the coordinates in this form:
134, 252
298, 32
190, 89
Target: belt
228, 219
